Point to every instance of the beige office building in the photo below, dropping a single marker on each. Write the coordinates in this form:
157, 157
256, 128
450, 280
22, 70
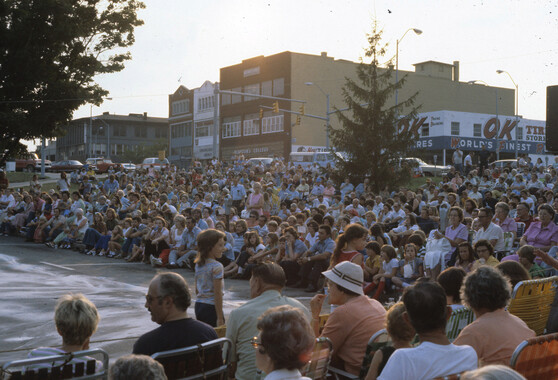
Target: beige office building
312, 79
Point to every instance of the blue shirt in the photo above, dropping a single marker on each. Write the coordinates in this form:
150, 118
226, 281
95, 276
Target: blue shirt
321, 246
238, 192
189, 237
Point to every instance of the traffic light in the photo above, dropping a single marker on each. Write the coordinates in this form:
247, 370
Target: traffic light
297, 120
276, 107
301, 110
261, 113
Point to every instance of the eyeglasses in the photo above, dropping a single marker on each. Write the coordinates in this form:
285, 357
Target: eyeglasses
258, 345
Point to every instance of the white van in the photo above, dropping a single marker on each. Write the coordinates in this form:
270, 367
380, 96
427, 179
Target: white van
307, 159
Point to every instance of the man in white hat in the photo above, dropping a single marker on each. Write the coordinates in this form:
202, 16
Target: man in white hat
353, 322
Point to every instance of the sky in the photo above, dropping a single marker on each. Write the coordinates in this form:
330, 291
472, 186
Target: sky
186, 42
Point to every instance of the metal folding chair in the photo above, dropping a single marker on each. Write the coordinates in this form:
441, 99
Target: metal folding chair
537, 358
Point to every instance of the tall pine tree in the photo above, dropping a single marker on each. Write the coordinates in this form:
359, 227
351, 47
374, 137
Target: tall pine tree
369, 137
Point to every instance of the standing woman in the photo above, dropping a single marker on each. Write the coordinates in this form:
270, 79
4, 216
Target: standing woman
157, 240
255, 200
348, 245
62, 184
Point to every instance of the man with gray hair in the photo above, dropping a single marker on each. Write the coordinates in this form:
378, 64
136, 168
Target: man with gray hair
266, 285
167, 300
134, 367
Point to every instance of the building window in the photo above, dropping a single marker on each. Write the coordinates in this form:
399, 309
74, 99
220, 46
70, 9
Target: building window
205, 103
519, 133
266, 88
141, 132
236, 98
231, 129
278, 87
226, 99
181, 106
477, 130
251, 89
425, 130
204, 129
181, 130
119, 131
272, 124
98, 130
160, 132
251, 127
455, 128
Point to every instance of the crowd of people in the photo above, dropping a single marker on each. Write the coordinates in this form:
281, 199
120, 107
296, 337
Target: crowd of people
284, 225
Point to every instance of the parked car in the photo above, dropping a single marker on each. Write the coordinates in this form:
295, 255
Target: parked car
155, 163
30, 163
129, 167
265, 162
307, 159
102, 165
66, 166
427, 169
504, 163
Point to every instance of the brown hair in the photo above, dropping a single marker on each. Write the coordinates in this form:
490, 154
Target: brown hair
352, 232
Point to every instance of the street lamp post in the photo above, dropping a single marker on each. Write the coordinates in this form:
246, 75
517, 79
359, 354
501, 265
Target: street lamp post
497, 119
516, 112
418, 32
327, 111
108, 134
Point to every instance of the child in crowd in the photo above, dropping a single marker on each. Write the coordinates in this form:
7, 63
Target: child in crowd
388, 271
210, 277
401, 333
410, 268
373, 262
116, 241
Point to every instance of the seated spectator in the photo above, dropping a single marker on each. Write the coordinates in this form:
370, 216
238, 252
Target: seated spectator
284, 344
489, 231
316, 260
401, 334
495, 333
76, 319
167, 300
266, 284
373, 263
542, 234
514, 272
136, 367
410, 268
353, 322
502, 219
390, 267
527, 259
451, 280
466, 257
492, 372
400, 233
427, 312
289, 253
485, 252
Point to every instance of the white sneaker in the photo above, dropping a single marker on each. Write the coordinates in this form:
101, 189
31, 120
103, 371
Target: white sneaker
155, 262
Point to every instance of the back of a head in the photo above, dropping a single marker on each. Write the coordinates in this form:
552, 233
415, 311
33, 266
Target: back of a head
492, 372
173, 285
137, 367
270, 274
76, 318
397, 327
426, 307
451, 280
286, 337
514, 271
486, 289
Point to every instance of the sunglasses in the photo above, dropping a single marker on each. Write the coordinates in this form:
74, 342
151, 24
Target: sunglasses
257, 345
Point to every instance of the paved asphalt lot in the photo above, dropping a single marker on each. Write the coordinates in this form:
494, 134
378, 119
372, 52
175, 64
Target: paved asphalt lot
33, 277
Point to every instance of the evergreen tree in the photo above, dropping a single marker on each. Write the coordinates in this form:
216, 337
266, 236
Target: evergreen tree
369, 137
50, 52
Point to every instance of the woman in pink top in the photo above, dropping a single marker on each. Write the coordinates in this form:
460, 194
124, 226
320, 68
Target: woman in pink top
255, 201
352, 240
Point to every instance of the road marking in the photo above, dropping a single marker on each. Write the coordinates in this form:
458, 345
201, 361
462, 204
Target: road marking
57, 266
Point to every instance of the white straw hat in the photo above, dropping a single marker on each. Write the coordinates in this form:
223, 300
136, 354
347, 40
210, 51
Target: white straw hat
347, 275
